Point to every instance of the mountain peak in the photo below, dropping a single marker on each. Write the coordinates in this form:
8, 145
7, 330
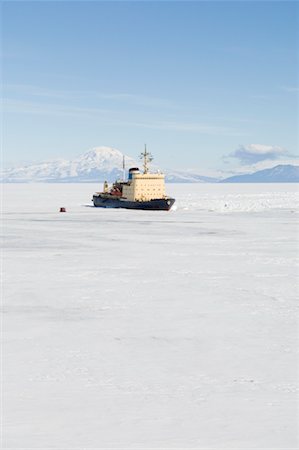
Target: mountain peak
102, 158
96, 164
102, 151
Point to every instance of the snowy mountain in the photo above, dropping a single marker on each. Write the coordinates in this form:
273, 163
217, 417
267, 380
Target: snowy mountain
97, 164
187, 177
105, 163
278, 174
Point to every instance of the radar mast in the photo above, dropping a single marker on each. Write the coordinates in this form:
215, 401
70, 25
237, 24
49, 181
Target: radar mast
147, 158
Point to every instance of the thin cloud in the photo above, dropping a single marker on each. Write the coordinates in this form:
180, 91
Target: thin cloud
110, 117
25, 107
140, 100
194, 127
27, 90
292, 89
135, 99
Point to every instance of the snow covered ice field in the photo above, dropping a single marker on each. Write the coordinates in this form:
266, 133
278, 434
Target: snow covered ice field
136, 329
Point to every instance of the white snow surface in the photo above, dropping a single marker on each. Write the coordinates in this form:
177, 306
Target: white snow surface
135, 329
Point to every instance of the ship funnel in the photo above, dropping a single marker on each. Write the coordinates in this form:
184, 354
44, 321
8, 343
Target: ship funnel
132, 171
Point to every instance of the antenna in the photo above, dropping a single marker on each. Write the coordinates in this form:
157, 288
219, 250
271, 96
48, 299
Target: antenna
124, 168
147, 158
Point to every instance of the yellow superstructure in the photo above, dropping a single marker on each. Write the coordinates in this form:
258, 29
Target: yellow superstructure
142, 187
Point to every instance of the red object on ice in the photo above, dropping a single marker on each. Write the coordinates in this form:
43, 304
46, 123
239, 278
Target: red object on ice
62, 210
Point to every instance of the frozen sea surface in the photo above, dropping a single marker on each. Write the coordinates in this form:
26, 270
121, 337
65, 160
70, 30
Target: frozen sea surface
135, 329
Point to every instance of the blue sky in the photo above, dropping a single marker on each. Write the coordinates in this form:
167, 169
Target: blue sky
205, 84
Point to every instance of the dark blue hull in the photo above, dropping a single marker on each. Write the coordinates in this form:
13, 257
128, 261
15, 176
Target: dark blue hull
153, 205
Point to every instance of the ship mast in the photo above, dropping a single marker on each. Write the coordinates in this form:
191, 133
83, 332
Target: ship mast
147, 158
124, 168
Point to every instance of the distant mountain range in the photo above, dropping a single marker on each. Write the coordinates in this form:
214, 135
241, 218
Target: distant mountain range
187, 177
97, 164
278, 174
105, 163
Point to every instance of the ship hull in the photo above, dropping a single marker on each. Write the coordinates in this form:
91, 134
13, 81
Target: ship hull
153, 205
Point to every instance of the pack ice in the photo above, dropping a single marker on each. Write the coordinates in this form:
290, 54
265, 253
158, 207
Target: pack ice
137, 329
